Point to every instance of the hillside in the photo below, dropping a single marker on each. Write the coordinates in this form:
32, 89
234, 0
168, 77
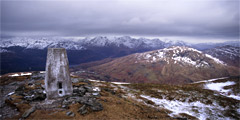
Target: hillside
229, 54
173, 65
207, 99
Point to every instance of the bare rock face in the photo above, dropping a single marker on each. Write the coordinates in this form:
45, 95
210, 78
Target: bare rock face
57, 78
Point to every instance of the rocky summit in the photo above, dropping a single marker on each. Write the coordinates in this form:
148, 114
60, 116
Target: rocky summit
23, 97
30, 93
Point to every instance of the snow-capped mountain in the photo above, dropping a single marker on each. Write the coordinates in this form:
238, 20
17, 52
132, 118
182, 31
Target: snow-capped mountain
228, 54
173, 65
81, 44
40, 43
179, 55
75, 43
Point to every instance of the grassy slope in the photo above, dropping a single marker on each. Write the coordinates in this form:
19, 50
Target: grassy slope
125, 101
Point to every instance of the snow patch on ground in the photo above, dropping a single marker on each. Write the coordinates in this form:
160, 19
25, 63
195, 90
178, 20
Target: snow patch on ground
219, 87
21, 74
14, 75
210, 80
120, 83
96, 89
95, 80
196, 109
234, 97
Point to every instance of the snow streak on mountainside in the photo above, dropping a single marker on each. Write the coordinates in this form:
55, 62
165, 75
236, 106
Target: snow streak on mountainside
179, 55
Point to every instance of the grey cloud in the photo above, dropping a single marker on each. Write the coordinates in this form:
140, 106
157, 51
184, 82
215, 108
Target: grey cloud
205, 18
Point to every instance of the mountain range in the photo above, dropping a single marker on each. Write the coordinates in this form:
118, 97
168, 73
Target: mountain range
29, 54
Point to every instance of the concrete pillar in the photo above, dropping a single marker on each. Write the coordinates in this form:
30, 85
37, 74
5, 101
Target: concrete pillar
57, 79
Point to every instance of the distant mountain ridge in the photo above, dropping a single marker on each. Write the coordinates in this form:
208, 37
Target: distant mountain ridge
101, 41
81, 44
27, 54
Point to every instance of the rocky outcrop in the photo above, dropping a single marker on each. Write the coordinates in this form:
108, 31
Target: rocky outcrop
32, 92
84, 94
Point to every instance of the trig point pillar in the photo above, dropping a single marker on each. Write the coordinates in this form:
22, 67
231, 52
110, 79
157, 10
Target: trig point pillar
57, 79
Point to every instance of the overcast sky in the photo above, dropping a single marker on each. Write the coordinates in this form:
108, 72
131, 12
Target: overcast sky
192, 20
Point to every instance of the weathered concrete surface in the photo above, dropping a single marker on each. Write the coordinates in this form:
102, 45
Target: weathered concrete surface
57, 79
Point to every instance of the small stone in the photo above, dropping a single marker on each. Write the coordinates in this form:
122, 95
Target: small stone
82, 90
95, 94
20, 90
70, 113
82, 99
64, 106
97, 106
94, 105
88, 88
28, 112
88, 94
83, 110
75, 80
30, 84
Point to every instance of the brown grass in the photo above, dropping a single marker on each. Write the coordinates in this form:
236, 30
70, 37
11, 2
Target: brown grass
115, 108
5, 79
79, 84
